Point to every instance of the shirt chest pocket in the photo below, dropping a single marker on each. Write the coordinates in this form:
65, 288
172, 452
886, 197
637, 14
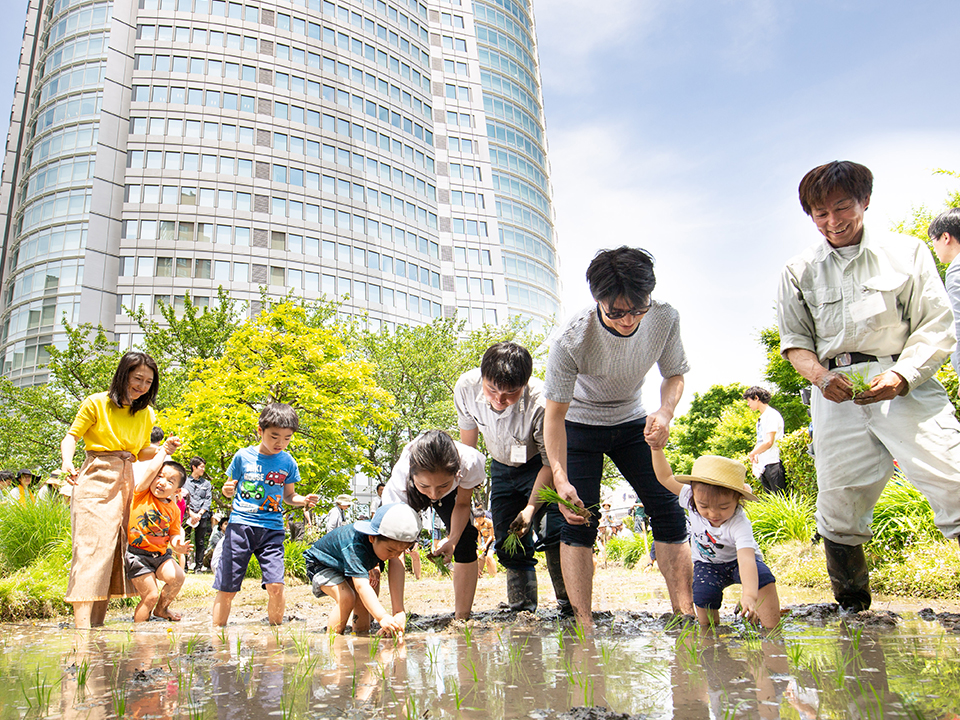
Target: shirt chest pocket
826, 307
878, 307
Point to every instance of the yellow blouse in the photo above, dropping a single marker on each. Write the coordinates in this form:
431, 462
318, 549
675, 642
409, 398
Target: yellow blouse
105, 427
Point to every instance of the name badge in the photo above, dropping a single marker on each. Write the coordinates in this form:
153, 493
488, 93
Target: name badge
867, 307
518, 454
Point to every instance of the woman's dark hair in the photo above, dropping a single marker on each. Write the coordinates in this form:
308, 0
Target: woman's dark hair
118, 386
156, 435
710, 491
435, 452
196, 461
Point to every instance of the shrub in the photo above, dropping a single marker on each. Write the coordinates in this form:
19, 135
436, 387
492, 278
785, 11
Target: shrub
29, 531
629, 551
798, 464
37, 590
901, 518
799, 563
294, 565
779, 518
925, 570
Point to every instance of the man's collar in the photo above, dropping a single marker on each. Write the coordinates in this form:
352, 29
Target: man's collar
825, 249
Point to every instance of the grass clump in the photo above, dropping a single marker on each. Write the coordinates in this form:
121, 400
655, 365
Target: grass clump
902, 518
778, 518
294, 564
37, 590
30, 531
799, 563
929, 570
630, 550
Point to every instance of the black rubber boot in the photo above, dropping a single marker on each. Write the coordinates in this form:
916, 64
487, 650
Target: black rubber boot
552, 555
849, 576
522, 589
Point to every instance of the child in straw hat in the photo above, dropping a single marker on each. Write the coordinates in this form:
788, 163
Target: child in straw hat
724, 550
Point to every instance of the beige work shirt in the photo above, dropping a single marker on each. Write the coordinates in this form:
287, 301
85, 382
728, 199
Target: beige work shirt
886, 299
514, 432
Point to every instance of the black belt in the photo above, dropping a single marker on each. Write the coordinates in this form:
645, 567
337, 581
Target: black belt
845, 359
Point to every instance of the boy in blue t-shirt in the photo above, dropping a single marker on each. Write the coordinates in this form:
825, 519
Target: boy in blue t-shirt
260, 480
346, 562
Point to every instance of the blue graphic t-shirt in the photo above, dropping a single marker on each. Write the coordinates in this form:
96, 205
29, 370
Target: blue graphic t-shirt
258, 500
344, 549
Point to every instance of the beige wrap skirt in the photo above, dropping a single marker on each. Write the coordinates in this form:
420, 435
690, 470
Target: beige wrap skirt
99, 514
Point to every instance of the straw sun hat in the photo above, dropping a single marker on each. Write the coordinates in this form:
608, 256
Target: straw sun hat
720, 471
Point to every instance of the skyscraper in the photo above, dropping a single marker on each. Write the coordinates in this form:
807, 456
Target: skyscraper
391, 154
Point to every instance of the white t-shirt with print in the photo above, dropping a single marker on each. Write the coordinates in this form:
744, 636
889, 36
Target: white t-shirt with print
711, 544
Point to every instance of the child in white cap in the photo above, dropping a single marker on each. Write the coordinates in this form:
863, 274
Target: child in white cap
723, 547
345, 564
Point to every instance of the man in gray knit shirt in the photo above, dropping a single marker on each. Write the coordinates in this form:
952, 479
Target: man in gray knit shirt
595, 372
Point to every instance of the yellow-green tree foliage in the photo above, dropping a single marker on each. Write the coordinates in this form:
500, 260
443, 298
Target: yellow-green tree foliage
295, 353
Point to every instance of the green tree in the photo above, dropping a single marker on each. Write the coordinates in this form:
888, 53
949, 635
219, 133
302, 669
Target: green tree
787, 381
419, 365
298, 353
735, 433
195, 333
691, 433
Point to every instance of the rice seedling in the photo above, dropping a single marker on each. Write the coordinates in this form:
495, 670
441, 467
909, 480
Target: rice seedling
560, 637
440, 563
223, 635
374, 645
512, 544
192, 643
549, 495
515, 652
196, 711
579, 631
472, 667
432, 653
118, 697
300, 644
795, 654
238, 646
860, 382
468, 635
83, 671
38, 697
410, 707
457, 699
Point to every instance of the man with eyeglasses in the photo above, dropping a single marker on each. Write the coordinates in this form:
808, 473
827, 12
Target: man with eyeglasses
595, 372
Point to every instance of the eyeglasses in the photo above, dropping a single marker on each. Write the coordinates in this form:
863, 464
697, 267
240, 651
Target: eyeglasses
617, 314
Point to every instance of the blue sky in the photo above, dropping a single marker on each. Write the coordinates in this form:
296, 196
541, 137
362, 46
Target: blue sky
684, 127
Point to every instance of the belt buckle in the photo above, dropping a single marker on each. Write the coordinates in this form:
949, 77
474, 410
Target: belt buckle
843, 360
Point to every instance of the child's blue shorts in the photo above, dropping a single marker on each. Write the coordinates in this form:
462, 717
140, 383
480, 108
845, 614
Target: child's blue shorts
239, 543
709, 580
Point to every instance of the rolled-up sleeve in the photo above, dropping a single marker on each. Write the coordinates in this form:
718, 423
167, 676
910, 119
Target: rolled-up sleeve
933, 336
796, 324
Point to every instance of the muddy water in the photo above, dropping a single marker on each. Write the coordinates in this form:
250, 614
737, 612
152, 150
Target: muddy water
819, 665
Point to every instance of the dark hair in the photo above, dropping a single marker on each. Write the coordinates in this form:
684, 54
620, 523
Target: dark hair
625, 272
179, 468
156, 435
118, 386
851, 177
279, 415
946, 222
435, 452
196, 461
506, 365
708, 491
758, 393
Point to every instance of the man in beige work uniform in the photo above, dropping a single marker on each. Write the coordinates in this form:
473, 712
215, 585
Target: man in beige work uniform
868, 302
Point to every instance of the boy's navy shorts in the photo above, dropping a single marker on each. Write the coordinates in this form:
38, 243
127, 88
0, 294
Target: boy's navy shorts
709, 580
239, 543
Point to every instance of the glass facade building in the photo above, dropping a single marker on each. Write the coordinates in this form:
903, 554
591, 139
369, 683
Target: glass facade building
391, 154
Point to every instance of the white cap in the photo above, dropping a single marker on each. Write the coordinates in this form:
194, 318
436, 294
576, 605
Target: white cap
395, 521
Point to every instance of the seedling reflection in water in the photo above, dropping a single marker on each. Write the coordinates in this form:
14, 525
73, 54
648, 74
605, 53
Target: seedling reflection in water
39, 698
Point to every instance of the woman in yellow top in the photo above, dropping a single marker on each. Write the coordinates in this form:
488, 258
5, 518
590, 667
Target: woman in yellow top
115, 427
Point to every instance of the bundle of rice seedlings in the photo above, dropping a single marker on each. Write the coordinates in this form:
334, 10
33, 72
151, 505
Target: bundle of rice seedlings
512, 544
549, 495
